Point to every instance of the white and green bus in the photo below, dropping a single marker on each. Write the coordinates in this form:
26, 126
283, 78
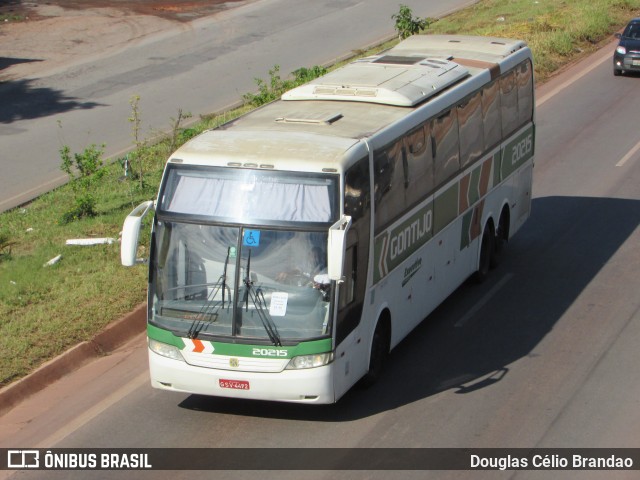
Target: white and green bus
294, 247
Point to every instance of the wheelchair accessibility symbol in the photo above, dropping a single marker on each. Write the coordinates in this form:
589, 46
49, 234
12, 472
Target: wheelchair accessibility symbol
251, 238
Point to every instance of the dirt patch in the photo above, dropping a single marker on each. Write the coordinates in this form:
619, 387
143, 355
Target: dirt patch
179, 10
38, 38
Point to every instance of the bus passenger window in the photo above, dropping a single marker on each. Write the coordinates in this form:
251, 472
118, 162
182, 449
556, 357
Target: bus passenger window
419, 165
491, 115
509, 100
525, 93
471, 135
444, 133
356, 190
390, 182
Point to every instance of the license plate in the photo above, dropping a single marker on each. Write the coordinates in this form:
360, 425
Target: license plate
235, 384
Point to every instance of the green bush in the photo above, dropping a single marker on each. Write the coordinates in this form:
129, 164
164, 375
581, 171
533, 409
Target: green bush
407, 25
85, 171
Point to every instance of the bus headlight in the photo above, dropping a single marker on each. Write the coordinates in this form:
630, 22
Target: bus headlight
310, 361
165, 350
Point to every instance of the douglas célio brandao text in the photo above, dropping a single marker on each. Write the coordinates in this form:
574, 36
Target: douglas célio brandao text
550, 462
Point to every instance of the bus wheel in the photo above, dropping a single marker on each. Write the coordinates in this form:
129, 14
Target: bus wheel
379, 354
487, 249
500, 238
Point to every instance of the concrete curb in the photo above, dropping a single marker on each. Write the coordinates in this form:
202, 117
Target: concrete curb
112, 337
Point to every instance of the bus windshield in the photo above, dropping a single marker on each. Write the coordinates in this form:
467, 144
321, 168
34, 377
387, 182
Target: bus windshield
248, 283
249, 196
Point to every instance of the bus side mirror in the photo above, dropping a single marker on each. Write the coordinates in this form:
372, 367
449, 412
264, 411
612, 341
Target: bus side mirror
131, 232
336, 248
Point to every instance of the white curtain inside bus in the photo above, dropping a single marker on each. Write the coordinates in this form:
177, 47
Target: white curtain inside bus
251, 197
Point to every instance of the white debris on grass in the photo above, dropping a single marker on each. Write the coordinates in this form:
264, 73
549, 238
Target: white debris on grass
53, 261
90, 241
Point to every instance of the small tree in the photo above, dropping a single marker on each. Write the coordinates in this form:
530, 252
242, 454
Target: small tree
177, 132
84, 170
407, 25
136, 158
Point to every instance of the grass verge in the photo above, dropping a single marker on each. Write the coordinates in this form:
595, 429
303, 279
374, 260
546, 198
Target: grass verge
44, 310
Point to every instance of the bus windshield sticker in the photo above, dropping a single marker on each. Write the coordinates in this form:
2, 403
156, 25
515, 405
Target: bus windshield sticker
251, 238
278, 306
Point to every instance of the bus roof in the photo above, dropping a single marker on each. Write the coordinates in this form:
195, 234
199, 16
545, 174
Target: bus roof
317, 123
488, 49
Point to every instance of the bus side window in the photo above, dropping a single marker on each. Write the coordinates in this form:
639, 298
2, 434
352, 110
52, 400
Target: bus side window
356, 190
347, 288
357, 203
444, 135
525, 93
471, 130
491, 114
351, 296
509, 101
390, 182
419, 164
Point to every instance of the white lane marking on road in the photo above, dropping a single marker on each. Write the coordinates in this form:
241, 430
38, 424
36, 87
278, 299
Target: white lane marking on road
484, 300
631, 153
94, 411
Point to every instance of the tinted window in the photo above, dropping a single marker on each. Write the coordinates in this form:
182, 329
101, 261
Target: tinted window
509, 94
419, 165
444, 133
491, 115
471, 130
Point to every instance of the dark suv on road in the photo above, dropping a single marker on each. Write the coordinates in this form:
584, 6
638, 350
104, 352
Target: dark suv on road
626, 58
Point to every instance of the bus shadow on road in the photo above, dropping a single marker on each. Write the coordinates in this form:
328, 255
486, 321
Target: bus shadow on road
562, 248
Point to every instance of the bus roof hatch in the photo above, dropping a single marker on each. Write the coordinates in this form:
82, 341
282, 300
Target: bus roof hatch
388, 80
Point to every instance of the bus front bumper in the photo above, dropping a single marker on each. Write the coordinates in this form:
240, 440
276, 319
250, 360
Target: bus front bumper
312, 385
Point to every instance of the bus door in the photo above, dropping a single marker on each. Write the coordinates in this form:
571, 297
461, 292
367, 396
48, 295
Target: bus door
352, 356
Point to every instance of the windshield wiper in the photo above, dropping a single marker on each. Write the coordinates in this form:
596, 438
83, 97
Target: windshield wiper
259, 302
209, 309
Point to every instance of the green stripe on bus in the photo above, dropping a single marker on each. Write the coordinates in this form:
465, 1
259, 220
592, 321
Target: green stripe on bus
474, 186
164, 336
465, 239
497, 161
445, 207
517, 152
243, 350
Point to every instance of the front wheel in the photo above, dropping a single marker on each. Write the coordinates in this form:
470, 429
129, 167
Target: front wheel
487, 249
379, 354
500, 240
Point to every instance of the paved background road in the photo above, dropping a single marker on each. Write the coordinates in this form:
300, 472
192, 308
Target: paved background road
545, 354
200, 67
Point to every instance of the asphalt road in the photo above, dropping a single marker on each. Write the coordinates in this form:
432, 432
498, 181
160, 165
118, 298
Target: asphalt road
545, 354
201, 67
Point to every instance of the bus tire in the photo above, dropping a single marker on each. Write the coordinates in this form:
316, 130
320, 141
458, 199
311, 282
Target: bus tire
501, 237
487, 248
379, 353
